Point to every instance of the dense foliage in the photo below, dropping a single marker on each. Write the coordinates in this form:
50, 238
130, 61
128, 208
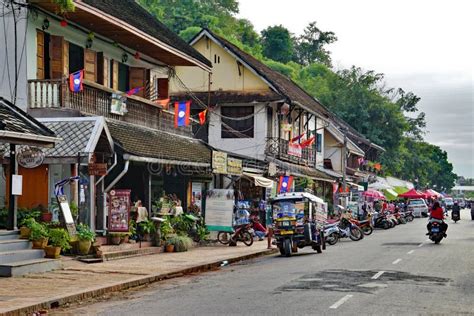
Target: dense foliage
387, 116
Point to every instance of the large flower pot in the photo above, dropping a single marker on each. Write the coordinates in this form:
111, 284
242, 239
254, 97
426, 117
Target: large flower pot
115, 239
84, 246
25, 232
169, 248
46, 217
40, 243
52, 252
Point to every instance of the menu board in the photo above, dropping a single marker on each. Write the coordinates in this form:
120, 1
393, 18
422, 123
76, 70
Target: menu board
219, 209
234, 166
119, 210
219, 162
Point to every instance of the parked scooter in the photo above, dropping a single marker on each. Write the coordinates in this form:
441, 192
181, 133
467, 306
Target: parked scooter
331, 233
379, 220
365, 226
347, 229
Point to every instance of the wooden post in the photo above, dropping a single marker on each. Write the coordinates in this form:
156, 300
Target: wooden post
11, 222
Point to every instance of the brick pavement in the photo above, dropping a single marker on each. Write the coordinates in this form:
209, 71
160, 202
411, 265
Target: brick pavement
79, 280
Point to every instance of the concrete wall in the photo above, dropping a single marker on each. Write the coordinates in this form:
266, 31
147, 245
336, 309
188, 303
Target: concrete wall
333, 151
320, 155
7, 58
251, 147
227, 75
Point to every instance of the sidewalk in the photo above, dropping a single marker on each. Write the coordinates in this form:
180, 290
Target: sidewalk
77, 280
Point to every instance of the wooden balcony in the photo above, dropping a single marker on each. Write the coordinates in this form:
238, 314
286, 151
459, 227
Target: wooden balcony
278, 148
98, 100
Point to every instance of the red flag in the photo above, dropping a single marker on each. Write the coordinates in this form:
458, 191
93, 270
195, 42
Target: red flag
294, 139
134, 91
307, 142
202, 117
163, 102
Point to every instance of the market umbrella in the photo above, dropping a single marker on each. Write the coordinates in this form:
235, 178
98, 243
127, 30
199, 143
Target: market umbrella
413, 194
432, 193
374, 194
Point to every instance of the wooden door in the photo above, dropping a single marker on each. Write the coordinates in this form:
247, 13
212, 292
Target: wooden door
137, 79
39, 54
162, 88
90, 65
56, 54
35, 187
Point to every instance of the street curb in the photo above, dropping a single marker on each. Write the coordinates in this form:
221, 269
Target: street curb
131, 283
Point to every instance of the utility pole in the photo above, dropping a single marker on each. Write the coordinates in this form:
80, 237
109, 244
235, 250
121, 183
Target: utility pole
344, 164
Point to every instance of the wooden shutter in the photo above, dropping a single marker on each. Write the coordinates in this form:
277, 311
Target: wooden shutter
137, 79
162, 88
115, 77
105, 72
100, 67
90, 65
39, 55
65, 58
56, 52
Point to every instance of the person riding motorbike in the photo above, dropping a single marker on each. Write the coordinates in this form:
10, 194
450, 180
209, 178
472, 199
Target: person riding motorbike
456, 208
437, 215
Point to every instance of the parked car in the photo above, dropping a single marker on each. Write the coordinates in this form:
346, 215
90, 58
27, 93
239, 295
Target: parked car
448, 203
418, 207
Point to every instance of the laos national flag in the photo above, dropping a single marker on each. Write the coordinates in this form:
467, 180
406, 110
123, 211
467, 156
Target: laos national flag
285, 184
75, 81
181, 113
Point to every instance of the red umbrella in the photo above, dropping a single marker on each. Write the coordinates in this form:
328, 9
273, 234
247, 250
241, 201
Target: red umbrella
413, 194
432, 194
374, 194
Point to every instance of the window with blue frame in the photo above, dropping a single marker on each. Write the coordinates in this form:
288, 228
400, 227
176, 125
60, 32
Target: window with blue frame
319, 141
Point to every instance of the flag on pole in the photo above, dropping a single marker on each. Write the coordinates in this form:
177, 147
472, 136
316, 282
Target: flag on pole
294, 139
202, 117
134, 91
75, 81
163, 102
284, 186
307, 142
181, 113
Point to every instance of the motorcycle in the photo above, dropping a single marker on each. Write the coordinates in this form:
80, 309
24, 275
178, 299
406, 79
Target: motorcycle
365, 226
455, 216
381, 221
242, 233
347, 229
331, 233
408, 216
436, 233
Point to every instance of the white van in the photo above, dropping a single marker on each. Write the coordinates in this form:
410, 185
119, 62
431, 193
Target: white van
419, 207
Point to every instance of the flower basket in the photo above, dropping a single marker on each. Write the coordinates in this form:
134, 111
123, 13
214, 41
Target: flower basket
52, 252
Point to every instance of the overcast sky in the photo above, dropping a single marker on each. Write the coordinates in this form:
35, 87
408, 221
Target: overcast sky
424, 46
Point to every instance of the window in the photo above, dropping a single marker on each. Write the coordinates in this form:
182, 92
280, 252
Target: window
319, 140
123, 78
76, 58
231, 128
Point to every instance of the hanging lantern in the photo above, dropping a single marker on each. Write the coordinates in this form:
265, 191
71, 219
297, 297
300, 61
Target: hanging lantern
124, 57
63, 23
137, 55
45, 25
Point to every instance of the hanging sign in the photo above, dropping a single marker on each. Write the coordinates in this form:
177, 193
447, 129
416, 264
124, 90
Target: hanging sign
119, 210
219, 162
118, 104
30, 157
294, 150
234, 166
97, 169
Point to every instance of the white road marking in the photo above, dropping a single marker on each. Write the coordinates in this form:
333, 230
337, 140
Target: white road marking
397, 261
410, 252
377, 275
341, 301
420, 245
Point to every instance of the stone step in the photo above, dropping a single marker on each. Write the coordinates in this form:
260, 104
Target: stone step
14, 244
28, 266
122, 254
9, 234
20, 255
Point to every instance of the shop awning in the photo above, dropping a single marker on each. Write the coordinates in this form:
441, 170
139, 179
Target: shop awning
259, 180
156, 146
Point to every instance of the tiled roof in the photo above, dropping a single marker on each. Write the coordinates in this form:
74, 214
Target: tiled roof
13, 119
298, 170
149, 143
223, 97
132, 13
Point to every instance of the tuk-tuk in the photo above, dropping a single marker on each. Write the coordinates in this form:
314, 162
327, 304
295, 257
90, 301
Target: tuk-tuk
298, 218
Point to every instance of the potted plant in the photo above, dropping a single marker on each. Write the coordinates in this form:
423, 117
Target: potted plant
115, 238
25, 229
58, 240
169, 243
39, 236
147, 227
85, 237
180, 243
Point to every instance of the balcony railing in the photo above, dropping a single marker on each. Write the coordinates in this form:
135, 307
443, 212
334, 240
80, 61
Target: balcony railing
278, 148
98, 100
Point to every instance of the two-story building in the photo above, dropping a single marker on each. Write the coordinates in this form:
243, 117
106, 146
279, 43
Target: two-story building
257, 112
117, 129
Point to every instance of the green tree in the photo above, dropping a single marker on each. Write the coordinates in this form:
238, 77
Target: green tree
310, 46
277, 44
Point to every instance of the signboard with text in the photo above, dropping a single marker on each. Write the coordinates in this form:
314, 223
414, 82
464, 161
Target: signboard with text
219, 210
119, 210
219, 162
234, 166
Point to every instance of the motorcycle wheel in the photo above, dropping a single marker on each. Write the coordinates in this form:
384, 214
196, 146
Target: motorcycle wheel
282, 250
332, 239
402, 221
247, 238
386, 225
323, 240
317, 248
287, 247
367, 230
224, 237
356, 234
410, 218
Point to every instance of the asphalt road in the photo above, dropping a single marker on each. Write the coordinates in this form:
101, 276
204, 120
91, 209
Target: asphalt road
397, 271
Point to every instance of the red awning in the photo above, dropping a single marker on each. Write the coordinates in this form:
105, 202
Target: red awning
413, 194
432, 194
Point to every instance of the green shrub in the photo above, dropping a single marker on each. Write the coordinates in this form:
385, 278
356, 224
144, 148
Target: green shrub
181, 243
85, 233
38, 231
148, 227
59, 237
28, 222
